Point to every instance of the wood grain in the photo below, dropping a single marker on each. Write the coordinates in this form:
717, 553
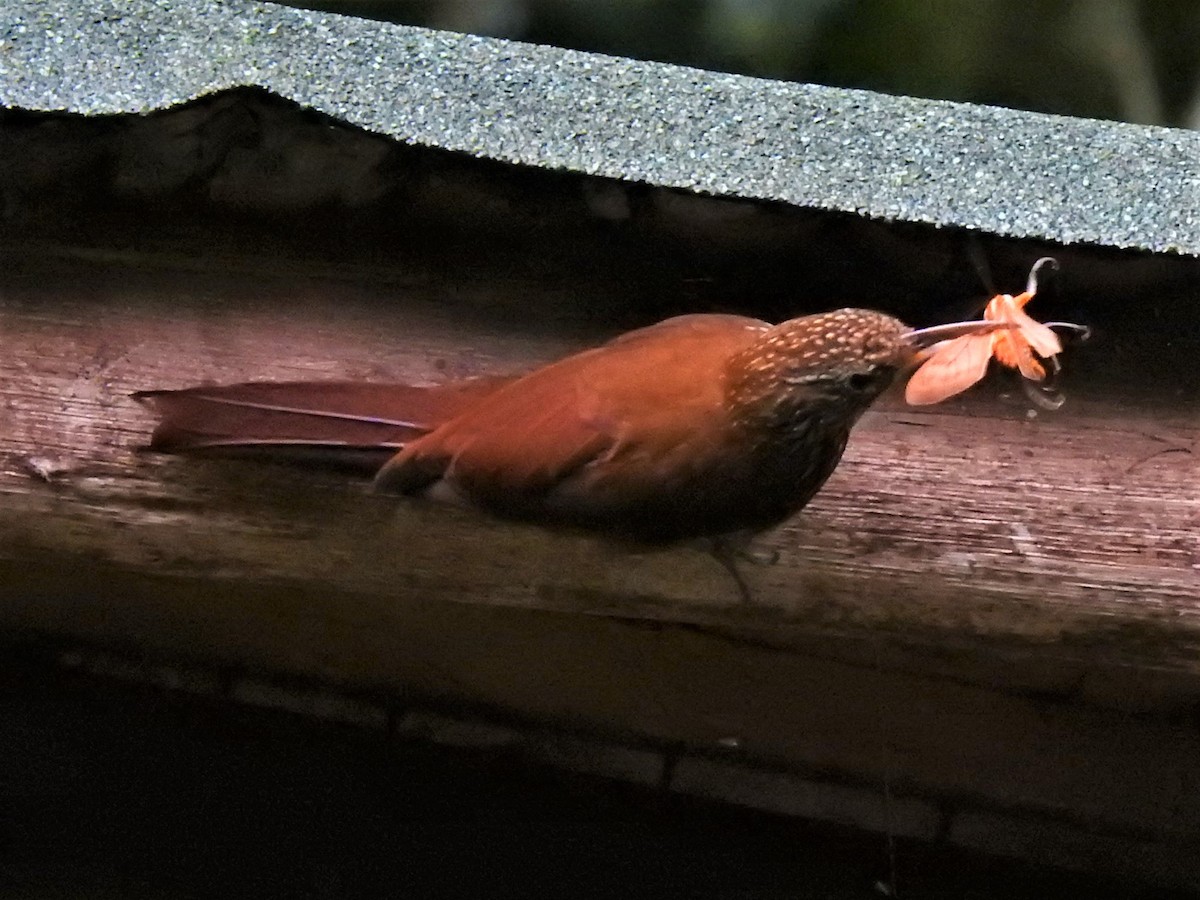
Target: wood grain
987, 607
1072, 535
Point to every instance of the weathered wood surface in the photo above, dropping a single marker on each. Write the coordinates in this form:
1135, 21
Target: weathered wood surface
975, 604
1075, 531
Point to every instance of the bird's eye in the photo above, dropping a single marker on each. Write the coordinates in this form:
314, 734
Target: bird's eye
860, 381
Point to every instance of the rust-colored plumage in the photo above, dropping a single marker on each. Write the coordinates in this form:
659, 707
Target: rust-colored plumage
702, 425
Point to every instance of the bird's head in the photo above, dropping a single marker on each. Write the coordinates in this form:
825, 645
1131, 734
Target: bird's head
829, 364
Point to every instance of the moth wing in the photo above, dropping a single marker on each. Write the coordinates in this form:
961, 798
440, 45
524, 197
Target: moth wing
1041, 338
952, 368
1013, 347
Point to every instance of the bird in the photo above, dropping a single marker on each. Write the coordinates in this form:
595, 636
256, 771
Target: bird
706, 426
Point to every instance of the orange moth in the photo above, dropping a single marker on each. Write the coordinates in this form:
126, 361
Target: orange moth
953, 366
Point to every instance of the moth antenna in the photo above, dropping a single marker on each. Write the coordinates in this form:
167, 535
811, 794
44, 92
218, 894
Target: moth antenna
1045, 393
1079, 332
1031, 286
1039, 394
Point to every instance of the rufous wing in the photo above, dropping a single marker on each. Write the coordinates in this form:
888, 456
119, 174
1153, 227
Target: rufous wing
639, 394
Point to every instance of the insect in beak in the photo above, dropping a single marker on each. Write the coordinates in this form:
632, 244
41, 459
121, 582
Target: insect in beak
1018, 341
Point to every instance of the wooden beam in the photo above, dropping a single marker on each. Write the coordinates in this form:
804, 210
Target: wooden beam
975, 606
1072, 534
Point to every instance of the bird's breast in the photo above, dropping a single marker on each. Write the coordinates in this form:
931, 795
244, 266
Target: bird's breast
709, 485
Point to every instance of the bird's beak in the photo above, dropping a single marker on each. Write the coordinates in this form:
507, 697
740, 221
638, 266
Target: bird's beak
926, 337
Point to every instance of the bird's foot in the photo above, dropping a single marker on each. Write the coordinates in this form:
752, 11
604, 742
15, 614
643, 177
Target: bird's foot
730, 550
762, 556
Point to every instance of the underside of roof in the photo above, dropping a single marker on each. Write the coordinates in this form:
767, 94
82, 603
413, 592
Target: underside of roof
991, 170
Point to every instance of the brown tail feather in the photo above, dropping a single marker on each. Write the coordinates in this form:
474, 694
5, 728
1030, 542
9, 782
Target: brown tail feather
320, 421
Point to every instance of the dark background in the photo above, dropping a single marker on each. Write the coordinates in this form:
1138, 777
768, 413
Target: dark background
117, 791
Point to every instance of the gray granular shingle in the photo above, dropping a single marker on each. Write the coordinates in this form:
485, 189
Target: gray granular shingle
893, 158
